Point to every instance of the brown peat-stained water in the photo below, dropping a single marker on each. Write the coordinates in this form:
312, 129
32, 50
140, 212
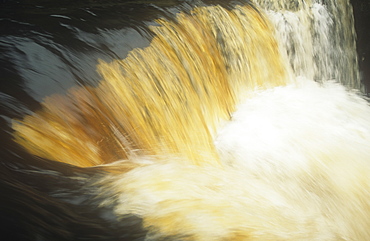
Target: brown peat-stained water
190, 76
183, 120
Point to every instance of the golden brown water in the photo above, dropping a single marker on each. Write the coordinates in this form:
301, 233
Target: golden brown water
165, 99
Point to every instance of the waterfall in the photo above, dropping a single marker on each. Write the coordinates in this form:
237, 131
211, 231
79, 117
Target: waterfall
236, 122
319, 38
189, 79
193, 73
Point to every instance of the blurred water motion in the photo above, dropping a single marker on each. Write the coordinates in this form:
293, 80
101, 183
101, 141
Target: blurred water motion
165, 85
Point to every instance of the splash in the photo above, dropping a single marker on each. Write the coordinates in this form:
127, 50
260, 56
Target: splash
319, 38
165, 99
227, 125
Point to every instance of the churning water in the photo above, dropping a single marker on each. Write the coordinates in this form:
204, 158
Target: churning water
213, 121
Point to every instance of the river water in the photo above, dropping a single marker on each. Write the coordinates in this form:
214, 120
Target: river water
93, 82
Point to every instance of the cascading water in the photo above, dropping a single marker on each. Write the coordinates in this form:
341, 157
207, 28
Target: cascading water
204, 122
192, 74
319, 38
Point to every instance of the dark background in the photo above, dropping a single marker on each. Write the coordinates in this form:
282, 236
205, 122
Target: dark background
27, 212
361, 9
136, 13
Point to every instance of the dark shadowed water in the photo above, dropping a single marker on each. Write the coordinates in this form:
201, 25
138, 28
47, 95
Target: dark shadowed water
47, 47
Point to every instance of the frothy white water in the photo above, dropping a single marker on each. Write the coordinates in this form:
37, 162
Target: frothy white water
292, 163
295, 158
318, 37
296, 168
